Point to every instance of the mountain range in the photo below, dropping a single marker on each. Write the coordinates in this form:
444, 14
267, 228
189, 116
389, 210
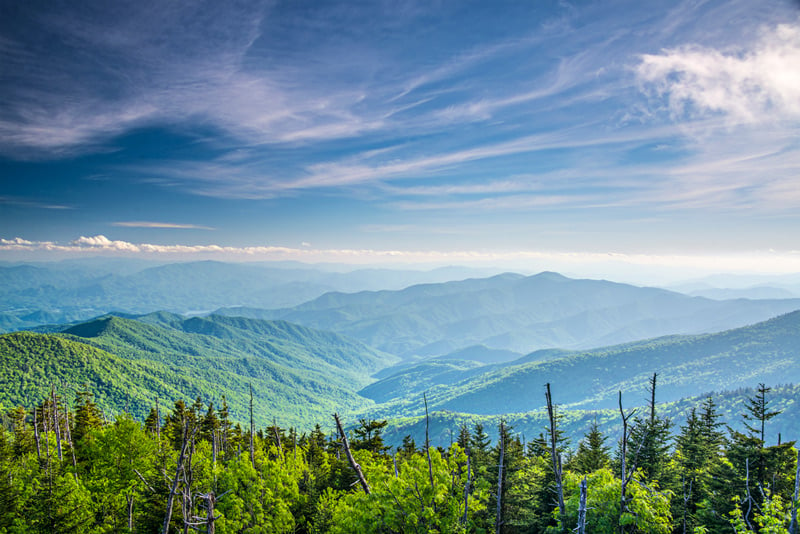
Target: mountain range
474, 349
48, 293
517, 313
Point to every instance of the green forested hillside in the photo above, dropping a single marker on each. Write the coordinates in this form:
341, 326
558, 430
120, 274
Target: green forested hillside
767, 352
297, 374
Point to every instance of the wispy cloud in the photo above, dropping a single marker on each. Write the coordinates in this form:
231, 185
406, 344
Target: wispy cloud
37, 204
150, 224
760, 83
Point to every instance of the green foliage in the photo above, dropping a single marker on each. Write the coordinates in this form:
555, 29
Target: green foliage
123, 474
647, 507
412, 501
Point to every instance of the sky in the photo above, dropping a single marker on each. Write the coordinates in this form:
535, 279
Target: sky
589, 137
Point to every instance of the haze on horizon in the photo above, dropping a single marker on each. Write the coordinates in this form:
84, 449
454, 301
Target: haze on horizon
608, 138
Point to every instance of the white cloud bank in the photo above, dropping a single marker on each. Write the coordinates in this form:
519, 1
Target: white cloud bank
757, 85
645, 268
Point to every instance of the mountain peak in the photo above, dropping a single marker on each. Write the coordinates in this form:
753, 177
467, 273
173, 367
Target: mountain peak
550, 275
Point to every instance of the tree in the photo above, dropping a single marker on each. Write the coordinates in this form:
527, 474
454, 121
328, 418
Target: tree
758, 414
649, 443
592, 453
368, 436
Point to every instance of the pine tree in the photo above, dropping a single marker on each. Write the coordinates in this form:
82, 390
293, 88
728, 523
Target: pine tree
758, 412
649, 443
368, 436
592, 453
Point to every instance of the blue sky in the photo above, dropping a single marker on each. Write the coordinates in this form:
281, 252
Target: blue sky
582, 135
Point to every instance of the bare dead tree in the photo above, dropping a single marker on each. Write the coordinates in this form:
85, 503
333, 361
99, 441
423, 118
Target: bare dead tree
70, 443
56, 422
252, 430
428, 447
178, 468
748, 497
582, 508
36, 435
278, 444
466, 492
353, 463
211, 501
188, 480
653, 398
627, 473
556, 457
498, 520
158, 425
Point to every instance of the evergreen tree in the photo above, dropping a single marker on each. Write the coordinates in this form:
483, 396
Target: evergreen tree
758, 413
464, 437
479, 444
649, 443
592, 453
368, 436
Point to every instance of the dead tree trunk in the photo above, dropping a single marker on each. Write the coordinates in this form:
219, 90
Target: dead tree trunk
653, 398
556, 457
69, 441
498, 520
211, 501
748, 497
188, 479
130, 512
582, 508
278, 444
36, 435
353, 463
626, 473
466, 493
178, 469
252, 430
56, 423
428, 450
158, 425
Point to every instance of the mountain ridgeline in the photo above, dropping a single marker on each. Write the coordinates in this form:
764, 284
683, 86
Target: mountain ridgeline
518, 313
50, 293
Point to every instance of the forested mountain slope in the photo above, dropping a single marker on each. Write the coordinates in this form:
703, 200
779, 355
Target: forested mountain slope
766, 352
519, 313
297, 374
